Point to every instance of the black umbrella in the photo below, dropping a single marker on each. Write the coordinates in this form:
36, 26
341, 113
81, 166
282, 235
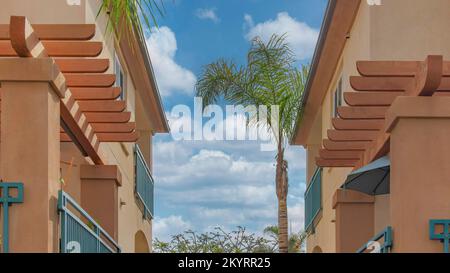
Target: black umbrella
372, 179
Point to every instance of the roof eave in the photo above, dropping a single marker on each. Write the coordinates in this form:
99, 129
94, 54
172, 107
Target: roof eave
338, 21
328, 17
164, 126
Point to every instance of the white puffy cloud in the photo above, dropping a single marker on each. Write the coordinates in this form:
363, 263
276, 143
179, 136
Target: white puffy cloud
170, 76
207, 14
225, 184
208, 167
300, 36
165, 228
228, 125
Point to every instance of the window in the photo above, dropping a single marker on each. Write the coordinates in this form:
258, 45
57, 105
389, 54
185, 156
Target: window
313, 199
144, 183
337, 98
120, 77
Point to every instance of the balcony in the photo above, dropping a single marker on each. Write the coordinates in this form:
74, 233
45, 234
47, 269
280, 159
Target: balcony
313, 199
144, 186
79, 232
381, 243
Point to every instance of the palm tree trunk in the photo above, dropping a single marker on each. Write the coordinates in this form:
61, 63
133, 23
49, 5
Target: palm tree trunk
283, 226
282, 189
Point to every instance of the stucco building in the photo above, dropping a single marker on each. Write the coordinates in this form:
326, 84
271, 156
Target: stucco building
375, 125
78, 113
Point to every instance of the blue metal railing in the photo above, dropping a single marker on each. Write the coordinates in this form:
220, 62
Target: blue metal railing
79, 232
144, 184
313, 198
6, 200
375, 246
443, 236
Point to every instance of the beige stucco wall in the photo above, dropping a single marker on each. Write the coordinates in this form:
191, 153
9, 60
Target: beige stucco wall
43, 11
130, 216
396, 30
332, 178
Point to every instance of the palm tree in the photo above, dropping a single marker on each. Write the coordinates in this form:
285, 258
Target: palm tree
270, 78
296, 240
127, 14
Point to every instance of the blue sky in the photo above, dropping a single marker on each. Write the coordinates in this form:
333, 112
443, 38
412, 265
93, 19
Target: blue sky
203, 184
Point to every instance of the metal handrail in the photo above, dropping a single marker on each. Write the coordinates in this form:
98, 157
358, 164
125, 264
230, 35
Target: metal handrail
385, 247
6, 200
97, 231
443, 236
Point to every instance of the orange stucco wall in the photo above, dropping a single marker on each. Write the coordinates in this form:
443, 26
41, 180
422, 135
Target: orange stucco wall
420, 170
33, 159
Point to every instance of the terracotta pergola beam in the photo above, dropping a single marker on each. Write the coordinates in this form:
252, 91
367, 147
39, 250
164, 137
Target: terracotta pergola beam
119, 137
97, 99
445, 84
90, 80
108, 117
56, 32
82, 65
441, 94
87, 143
320, 162
393, 68
381, 83
26, 44
114, 127
428, 79
107, 137
371, 98
326, 154
359, 129
89, 110
362, 112
345, 145
430, 76
59, 49
357, 124
102, 106
351, 135
388, 68
128, 127
93, 93
23, 41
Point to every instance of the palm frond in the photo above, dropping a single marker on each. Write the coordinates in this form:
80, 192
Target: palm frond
131, 15
270, 78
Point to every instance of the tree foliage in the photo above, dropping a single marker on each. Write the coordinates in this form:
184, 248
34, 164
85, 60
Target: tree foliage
221, 241
131, 15
296, 240
270, 77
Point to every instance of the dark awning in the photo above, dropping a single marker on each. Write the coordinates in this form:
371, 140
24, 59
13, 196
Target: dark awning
372, 179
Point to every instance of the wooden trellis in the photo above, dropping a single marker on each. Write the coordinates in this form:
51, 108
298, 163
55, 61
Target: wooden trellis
358, 135
90, 109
